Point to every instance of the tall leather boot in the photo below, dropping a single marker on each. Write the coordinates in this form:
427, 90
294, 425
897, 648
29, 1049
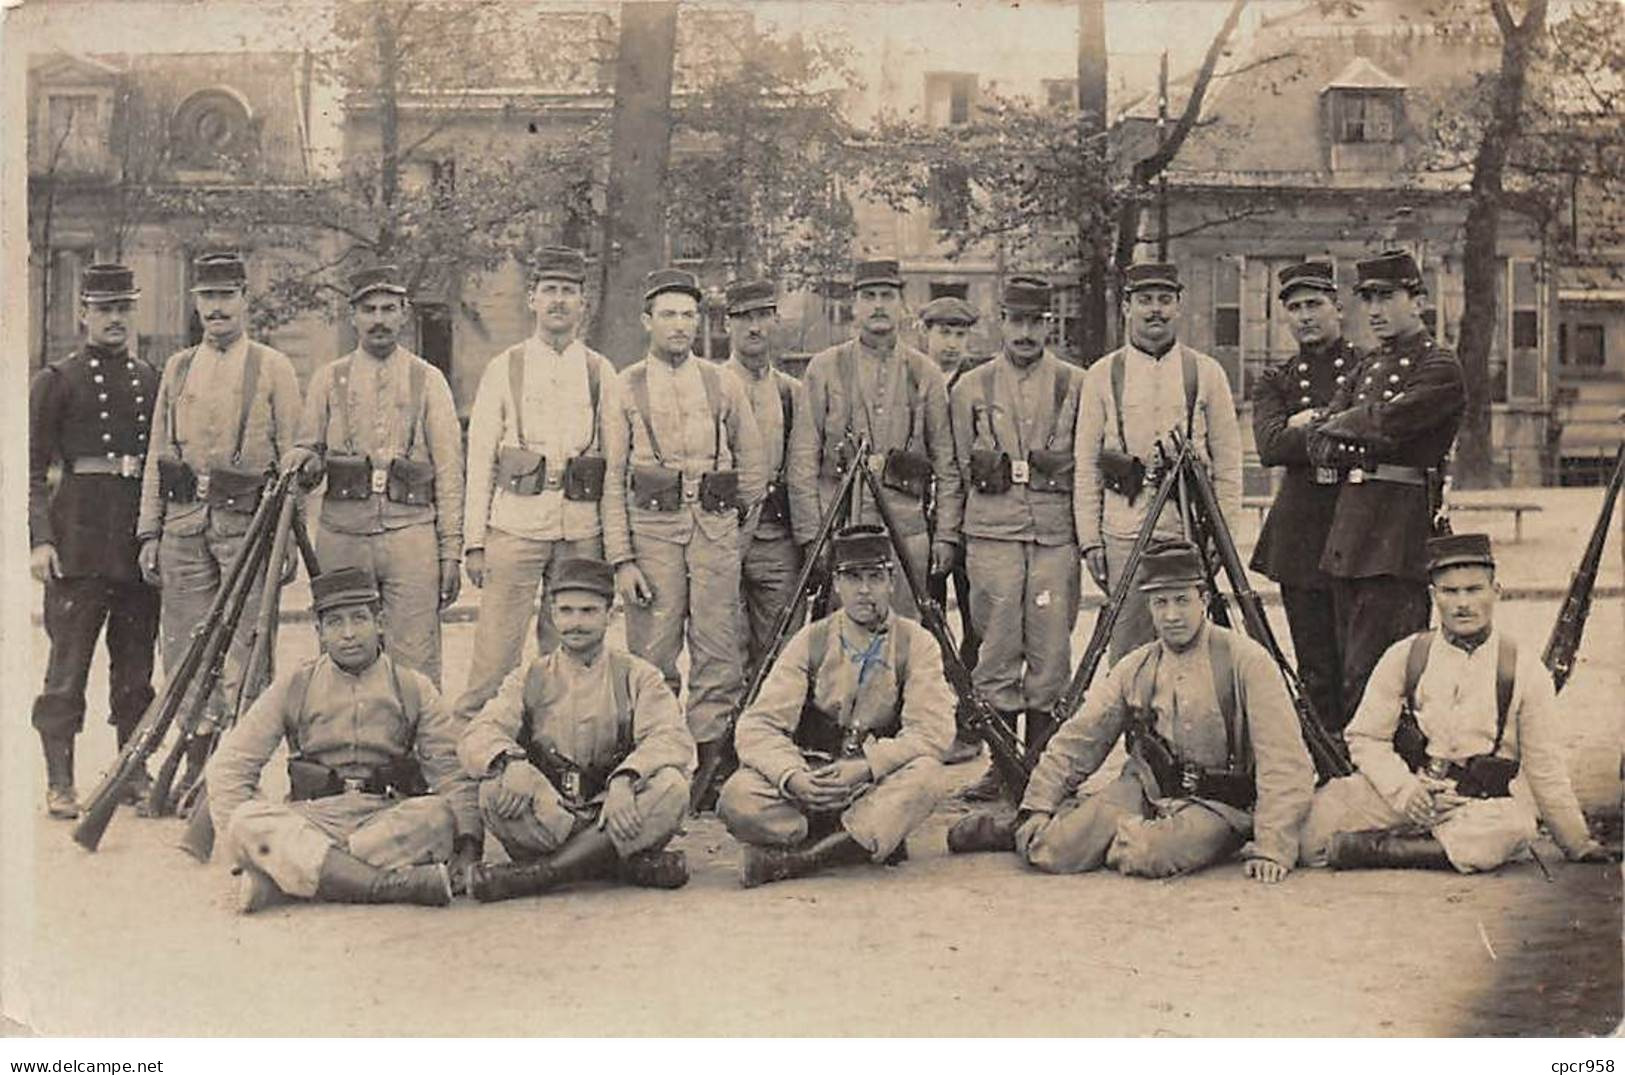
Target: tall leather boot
764, 865
140, 782
653, 869
713, 763
587, 855
983, 831
1040, 727
61, 800
1386, 848
991, 787
346, 879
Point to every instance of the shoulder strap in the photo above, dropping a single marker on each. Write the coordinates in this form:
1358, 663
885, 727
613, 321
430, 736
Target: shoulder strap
298, 691
708, 380
516, 389
817, 647
1506, 675
638, 381
847, 361
911, 388
787, 404
620, 688
594, 377
1117, 398
1187, 362
1416, 662
987, 406
183, 368
411, 698
251, 384
415, 379
900, 648
1063, 388
1223, 660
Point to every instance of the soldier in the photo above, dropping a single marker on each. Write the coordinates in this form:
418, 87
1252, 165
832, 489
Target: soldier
1216, 761
1013, 422
536, 465
674, 513
1389, 430
1130, 398
89, 413
838, 756
1286, 400
772, 559
381, 423
378, 800
1447, 723
878, 386
583, 758
948, 321
226, 411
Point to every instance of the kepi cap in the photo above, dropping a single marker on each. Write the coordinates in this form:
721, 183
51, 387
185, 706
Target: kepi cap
376, 278
220, 271
1027, 294
343, 586
862, 546
1459, 550
1170, 565
1391, 270
1318, 275
743, 296
680, 280
559, 263
107, 282
1148, 274
948, 310
584, 573
877, 271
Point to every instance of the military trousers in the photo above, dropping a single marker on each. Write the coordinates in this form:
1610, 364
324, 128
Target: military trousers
1372, 614
1311, 616
1133, 627
696, 594
1121, 828
662, 801
288, 841
191, 568
516, 568
879, 819
75, 610
406, 563
767, 582
1478, 835
1024, 598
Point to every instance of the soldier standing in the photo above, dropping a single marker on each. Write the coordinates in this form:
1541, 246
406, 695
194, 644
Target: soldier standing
1135, 395
1290, 396
675, 512
948, 321
772, 559
536, 465
90, 413
1013, 422
878, 386
381, 422
227, 410
1389, 430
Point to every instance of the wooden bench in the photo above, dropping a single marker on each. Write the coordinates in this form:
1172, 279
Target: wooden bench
1515, 508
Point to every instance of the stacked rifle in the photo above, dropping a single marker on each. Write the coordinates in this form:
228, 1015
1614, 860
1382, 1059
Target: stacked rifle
1564, 642
256, 568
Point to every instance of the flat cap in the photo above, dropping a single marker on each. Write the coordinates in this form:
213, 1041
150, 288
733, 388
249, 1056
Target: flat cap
743, 296
584, 573
1318, 275
1149, 274
382, 277
1027, 294
220, 271
866, 545
948, 310
1171, 565
1391, 270
343, 586
877, 271
680, 280
1459, 550
559, 263
107, 282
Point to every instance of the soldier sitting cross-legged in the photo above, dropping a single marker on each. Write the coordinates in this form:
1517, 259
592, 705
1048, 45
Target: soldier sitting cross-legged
583, 757
839, 755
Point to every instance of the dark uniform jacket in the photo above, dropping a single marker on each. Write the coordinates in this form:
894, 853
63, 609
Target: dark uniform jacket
1402, 407
96, 402
1294, 533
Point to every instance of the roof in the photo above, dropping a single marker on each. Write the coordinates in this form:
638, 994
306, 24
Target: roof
1362, 74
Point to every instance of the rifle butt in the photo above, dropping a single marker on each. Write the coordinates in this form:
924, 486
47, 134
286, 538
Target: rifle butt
94, 819
160, 796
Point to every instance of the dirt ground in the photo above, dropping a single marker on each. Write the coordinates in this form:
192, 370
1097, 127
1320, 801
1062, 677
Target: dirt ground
138, 940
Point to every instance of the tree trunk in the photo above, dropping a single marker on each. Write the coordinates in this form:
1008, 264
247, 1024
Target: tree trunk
389, 128
633, 237
1474, 465
1093, 232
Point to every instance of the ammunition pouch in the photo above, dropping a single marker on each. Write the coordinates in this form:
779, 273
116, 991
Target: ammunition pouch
907, 472
410, 482
719, 491
1485, 776
177, 481
1050, 472
657, 488
401, 778
1179, 779
235, 488
1122, 473
520, 471
818, 732
349, 477
1410, 742
584, 478
577, 785
776, 505
990, 472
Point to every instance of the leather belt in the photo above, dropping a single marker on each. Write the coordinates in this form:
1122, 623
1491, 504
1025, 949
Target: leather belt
1389, 472
121, 466
1321, 475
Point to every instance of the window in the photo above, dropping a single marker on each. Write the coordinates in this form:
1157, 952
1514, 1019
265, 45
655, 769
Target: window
1066, 326
949, 98
443, 182
1582, 346
1362, 116
949, 196
74, 126
1516, 365
1226, 303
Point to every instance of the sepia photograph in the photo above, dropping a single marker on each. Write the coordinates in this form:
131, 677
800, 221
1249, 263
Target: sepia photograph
847, 519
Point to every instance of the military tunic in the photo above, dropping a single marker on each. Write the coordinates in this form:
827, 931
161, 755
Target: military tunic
524, 536
354, 723
1294, 533
857, 681
1400, 410
572, 708
94, 405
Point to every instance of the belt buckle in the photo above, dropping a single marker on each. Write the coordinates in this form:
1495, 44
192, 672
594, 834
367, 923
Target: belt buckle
203, 485
551, 480
1020, 470
129, 466
380, 479
1357, 476
572, 785
691, 488
354, 784
876, 462
1189, 778
1325, 475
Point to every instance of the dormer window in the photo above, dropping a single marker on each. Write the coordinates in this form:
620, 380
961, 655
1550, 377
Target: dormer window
1362, 117
1363, 114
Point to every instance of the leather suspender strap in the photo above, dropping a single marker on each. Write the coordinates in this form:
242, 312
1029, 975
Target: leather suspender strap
1117, 399
1506, 669
987, 408
620, 689
639, 382
1063, 385
183, 369
415, 379
516, 389
1225, 688
1187, 362
708, 381
251, 384
594, 387
787, 406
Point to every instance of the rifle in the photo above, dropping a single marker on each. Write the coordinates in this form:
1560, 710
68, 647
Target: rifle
833, 515
160, 714
982, 719
1323, 747
198, 840
1564, 642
